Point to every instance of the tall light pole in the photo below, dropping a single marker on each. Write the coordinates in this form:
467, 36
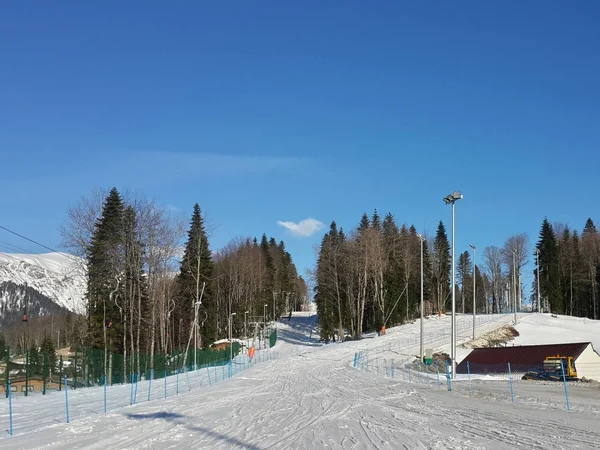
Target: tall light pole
537, 257
421, 351
474, 296
450, 200
196, 306
230, 337
514, 282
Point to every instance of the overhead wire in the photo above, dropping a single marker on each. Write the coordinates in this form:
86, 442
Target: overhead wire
36, 242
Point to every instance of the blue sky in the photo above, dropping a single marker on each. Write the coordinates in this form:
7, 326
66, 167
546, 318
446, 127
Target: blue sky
267, 112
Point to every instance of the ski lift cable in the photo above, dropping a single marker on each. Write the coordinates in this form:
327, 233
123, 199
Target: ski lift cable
35, 242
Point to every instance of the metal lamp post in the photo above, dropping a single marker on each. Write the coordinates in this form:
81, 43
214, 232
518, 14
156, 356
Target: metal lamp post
514, 284
450, 200
537, 256
421, 350
474, 296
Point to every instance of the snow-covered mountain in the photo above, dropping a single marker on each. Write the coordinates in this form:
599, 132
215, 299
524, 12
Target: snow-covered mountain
56, 276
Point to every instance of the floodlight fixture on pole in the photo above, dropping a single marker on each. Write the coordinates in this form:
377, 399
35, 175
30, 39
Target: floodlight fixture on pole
230, 337
421, 350
474, 296
450, 199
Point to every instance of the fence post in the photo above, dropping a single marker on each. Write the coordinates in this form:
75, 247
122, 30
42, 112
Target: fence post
165, 384
437, 371
469, 374
67, 397
104, 394
355, 356
512, 394
392, 368
177, 381
26, 372
9, 393
208, 372
562, 366
60, 370
44, 372
131, 393
448, 378
427, 370
150, 382
75, 369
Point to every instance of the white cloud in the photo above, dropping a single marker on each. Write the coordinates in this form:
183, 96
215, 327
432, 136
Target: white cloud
304, 228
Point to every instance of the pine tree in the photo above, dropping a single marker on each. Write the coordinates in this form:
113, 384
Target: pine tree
464, 276
375, 221
195, 283
549, 273
441, 266
394, 275
48, 353
105, 275
364, 223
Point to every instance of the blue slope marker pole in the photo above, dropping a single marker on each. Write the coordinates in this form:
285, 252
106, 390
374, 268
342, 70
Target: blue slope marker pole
562, 366
392, 368
150, 383
469, 373
131, 393
512, 393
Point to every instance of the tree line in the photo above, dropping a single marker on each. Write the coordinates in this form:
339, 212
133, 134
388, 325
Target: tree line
146, 294
371, 277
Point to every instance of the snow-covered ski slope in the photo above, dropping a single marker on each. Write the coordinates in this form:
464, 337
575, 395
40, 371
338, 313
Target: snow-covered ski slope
554, 329
311, 397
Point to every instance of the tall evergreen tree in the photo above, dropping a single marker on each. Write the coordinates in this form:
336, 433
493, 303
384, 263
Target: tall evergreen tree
464, 276
549, 273
105, 276
441, 266
196, 274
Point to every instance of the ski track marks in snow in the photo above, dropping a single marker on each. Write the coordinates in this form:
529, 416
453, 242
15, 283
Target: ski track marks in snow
309, 398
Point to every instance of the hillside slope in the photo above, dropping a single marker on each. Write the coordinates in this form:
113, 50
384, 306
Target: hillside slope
57, 276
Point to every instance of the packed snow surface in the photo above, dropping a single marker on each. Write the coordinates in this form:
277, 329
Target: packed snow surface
59, 276
311, 397
555, 329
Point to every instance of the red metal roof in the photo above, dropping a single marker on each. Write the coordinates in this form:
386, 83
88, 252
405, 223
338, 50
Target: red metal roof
517, 356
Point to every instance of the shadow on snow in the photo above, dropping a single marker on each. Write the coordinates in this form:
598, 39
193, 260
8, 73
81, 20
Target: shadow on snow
180, 420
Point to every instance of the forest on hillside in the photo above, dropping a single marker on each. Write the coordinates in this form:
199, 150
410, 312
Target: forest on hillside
371, 276
154, 285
